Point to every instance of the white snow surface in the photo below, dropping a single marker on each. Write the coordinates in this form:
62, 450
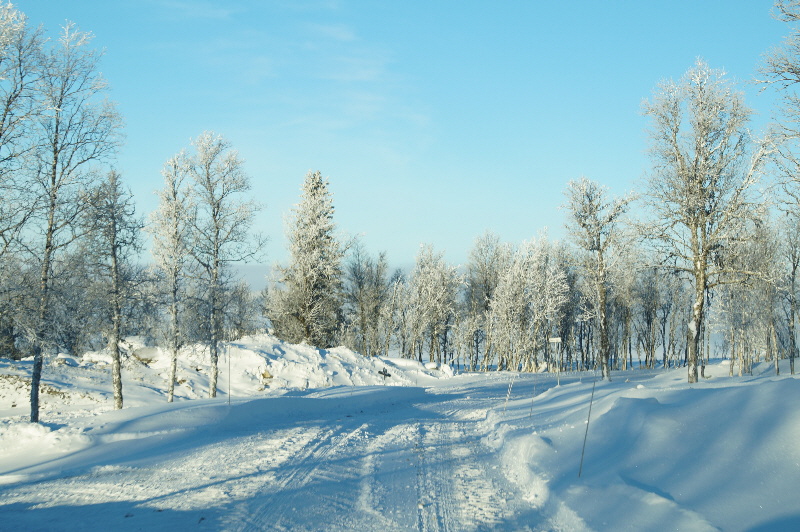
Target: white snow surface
317, 440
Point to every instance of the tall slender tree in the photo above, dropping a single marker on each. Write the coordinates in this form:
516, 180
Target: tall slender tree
170, 226
221, 228
75, 128
594, 227
114, 233
488, 258
789, 257
366, 292
432, 292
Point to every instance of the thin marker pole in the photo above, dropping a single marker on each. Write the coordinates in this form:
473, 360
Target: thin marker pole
508, 394
530, 414
586, 434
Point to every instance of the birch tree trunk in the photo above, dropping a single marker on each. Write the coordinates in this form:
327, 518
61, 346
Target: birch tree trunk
116, 321
173, 335
44, 305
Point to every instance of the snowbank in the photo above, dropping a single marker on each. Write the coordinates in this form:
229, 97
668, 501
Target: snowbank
251, 367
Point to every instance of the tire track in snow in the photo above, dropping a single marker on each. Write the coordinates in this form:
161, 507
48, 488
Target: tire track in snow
455, 488
388, 495
189, 482
400, 473
304, 485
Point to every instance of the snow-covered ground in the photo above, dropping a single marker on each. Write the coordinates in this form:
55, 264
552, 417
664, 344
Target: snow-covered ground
316, 440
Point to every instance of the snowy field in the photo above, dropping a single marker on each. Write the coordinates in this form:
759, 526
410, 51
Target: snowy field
317, 441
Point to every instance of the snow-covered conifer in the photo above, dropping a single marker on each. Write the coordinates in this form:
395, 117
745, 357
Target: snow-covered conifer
307, 305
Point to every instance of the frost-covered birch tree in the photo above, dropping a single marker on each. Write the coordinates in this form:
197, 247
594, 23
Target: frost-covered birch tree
648, 292
20, 69
114, 233
593, 224
745, 313
307, 305
431, 304
701, 193
781, 68
170, 226
488, 258
220, 232
75, 128
789, 259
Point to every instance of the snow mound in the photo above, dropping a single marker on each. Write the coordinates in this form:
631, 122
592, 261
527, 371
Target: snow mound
251, 367
279, 365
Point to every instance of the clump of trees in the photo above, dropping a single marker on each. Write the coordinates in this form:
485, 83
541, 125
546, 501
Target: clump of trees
710, 270
69, 234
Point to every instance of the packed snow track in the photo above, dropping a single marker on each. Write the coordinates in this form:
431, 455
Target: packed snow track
391, 458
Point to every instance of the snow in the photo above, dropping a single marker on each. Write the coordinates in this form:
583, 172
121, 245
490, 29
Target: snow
317, 440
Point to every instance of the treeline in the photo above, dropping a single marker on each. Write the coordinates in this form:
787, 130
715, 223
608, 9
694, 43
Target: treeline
708, 269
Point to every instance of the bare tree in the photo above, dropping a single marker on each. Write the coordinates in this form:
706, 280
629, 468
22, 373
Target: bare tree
75, 128
366, 293
431, 301
701, 192
221, 228
593, 225
20, 70
781, 68
170, 226
114, 236
488, 259
789, 256
530, 294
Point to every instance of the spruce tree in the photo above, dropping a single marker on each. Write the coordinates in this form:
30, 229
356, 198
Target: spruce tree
307, 308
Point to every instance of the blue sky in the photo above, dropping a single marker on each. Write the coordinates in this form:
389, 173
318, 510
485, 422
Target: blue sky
434, 121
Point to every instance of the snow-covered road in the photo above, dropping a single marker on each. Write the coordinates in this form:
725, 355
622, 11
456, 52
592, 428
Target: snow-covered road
377, 458
401, 460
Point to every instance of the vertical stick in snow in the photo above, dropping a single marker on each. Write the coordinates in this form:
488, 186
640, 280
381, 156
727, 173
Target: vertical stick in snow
586, 434
530, 414
508, 394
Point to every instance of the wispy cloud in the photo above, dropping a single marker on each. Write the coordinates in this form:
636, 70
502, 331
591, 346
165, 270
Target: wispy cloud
336, 32
356, 68
198, 9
